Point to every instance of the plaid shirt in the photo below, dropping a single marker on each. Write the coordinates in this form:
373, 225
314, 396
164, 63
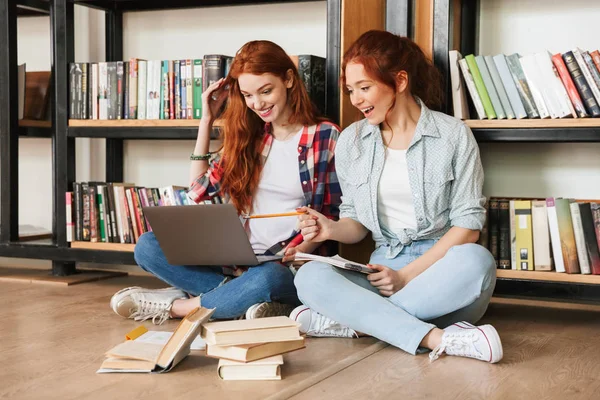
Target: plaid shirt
317, 175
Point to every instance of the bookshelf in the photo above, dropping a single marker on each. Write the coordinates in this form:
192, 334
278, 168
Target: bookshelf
458, 25
346, 20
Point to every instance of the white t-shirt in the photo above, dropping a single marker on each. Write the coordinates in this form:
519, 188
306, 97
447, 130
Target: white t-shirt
279, 190
394, 198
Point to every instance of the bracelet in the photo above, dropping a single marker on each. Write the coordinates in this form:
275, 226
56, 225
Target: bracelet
200, 157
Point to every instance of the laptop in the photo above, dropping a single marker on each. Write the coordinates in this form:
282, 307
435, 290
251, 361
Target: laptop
204, 234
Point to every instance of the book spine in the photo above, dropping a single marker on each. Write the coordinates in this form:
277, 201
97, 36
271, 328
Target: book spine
94, 91
85, 80
177, 89
596, 218
483, 93
103, 90
101, 215
133, 88
126, 88
119, 86
132, 216
164, 93
197, 71
85, 193
593, 71
183, 88
462, 63
497, 82
532, 75
557, 251
141, 86
541, 236
69, 215
572, 92
584, 262
513, 234
489, 85
171, 90
494, 228
591, 105
514, 66
77, 203
190, 90
525, 258
503, 235
567, 236
591, 241
509, 86
93, 213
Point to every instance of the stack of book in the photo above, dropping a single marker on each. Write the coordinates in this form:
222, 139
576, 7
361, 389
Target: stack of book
539, 85
251, 349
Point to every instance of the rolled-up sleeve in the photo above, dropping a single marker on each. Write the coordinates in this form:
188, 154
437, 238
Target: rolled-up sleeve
208, 184
466, 198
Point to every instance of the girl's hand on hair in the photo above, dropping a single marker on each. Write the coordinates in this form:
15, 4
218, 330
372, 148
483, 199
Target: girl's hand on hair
314, 226
212, 100
386, 280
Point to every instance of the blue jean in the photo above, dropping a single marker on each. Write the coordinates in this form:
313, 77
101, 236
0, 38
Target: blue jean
457, 287
267, 282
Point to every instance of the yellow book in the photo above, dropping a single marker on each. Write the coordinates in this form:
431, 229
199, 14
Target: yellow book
255, 351
524, 235
266, 369
246, 331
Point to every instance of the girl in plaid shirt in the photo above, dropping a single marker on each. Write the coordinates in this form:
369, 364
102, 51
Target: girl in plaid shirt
277, 155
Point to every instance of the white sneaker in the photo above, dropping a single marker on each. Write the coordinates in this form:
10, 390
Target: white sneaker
466, 340
273, 309
314, 324
141, 304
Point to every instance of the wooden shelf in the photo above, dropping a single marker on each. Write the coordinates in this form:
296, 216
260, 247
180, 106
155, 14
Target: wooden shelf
34, 123
136, 123
533, 123
548, 276
103, 246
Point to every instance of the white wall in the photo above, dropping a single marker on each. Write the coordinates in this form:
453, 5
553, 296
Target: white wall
528, 26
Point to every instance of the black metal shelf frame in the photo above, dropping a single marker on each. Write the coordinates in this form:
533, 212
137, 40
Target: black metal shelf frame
537, 135
61, 12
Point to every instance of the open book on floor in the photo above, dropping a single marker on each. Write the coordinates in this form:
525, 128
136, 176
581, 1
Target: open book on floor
135, 356
255, 351
336, 261
261, 370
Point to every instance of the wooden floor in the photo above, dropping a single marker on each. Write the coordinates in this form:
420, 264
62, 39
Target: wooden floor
52, 341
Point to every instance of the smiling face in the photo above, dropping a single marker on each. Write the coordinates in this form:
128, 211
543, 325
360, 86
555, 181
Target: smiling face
266, 95
371, 97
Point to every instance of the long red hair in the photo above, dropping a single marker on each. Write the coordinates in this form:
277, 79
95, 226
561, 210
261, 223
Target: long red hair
243, 129
384, 55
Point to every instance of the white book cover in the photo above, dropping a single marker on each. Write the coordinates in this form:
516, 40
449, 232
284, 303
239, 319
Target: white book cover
472, 89
545, 62
559, 263
497, 81
157, 89
102, 90
582, 254
491, 89
149, 89
552, 86
536, 85
459, 95
141, 86
586, 73
541, 236
509, 85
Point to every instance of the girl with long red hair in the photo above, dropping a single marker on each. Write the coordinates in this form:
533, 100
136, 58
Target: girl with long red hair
277, 155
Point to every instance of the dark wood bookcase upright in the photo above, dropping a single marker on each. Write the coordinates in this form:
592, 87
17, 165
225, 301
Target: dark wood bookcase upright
359, 16
455, 27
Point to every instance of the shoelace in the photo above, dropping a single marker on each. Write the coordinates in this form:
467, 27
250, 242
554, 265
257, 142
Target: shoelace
325, 325
148, 309
460, 345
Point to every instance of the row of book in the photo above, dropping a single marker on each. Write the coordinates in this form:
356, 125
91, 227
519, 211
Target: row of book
246, 349
539, 85
163, 89
113, 212
544, 235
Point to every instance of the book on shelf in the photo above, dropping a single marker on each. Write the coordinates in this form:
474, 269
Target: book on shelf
136, 356
254, 351
459, 96
260, 370
335, 261
239, 332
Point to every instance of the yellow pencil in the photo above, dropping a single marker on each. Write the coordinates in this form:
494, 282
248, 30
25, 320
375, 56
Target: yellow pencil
287, 214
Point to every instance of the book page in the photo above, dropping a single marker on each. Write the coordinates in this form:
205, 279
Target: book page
161, 338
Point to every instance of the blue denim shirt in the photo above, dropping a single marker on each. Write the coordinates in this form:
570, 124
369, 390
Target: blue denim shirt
445, 176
